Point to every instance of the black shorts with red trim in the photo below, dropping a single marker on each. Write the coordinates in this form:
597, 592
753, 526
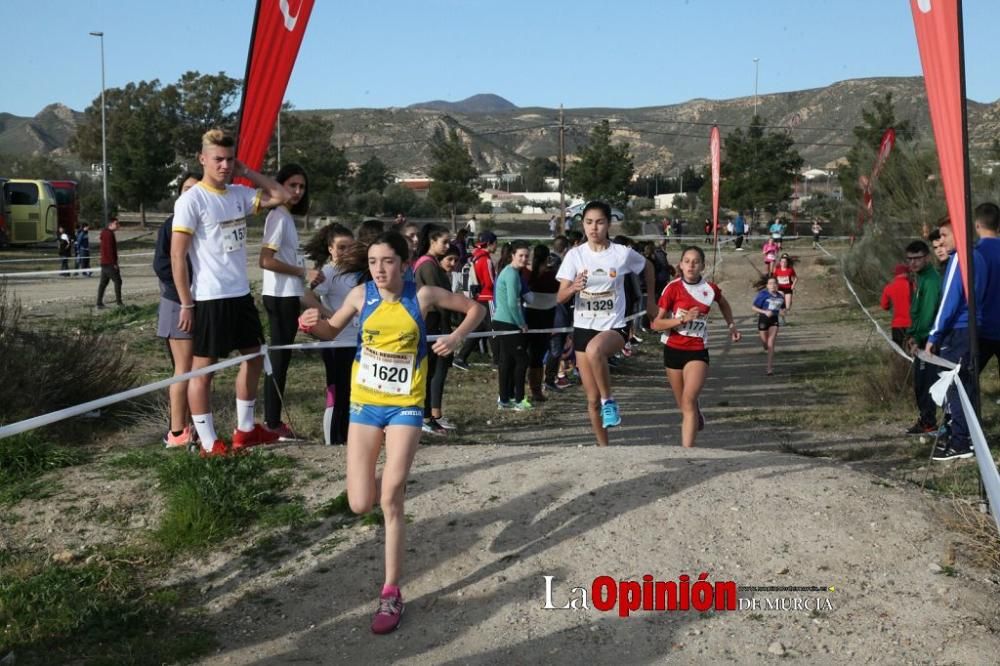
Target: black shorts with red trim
223, 325
764, 322
676, 359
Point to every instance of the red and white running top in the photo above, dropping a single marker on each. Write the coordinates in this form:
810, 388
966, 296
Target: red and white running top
679, 295
784, 277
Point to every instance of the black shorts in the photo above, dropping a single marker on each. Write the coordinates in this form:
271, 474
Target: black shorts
226, 324
583, 336
676, 359
764, 322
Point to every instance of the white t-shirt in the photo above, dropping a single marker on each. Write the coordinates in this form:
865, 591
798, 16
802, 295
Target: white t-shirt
332, 292
601, 305
217, 222
281, 236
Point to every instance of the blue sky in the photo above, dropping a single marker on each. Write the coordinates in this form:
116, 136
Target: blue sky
380, 53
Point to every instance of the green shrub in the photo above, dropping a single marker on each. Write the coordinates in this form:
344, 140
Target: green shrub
24, 459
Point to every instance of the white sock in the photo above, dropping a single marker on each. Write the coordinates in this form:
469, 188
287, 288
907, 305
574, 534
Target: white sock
605, 401
244, 414
205, 425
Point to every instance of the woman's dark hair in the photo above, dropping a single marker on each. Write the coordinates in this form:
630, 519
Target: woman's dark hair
393, 239
317, 249
785, 255
430, 233
452, 251
368, 231
539, 260
623, 240
505, 254
286, 172
197, 175
597, 205
689, 248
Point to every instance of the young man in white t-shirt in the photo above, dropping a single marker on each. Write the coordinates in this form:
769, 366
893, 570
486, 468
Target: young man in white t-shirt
217, 307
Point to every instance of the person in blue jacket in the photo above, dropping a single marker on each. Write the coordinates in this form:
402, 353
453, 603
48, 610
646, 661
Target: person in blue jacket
949, 338
987, 218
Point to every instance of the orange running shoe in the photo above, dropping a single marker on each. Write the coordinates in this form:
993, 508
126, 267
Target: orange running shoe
186, 437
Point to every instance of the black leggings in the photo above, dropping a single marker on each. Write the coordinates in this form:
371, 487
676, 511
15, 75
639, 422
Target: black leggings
538, 343
473, 343
338, 362
437, 372
283, 316
513, 361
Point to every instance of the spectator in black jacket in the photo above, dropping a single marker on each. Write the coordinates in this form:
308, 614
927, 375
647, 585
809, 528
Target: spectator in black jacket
179, 343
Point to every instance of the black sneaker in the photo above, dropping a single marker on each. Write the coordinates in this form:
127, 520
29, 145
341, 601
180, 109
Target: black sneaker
431, 426
919, 428
461, 365
950, 453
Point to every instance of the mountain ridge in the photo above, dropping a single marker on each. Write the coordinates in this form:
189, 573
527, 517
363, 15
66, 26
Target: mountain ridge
662, 138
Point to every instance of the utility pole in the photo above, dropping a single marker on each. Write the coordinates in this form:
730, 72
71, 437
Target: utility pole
104, 134
279, 138
756, 70
562, 169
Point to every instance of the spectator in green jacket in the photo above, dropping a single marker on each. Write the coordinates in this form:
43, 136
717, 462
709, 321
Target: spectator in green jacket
508, 316
923, 308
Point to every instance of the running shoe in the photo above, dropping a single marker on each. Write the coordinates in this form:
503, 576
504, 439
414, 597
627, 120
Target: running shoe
613, 362
556, 386
920, 428
635, 340
538, 397
701, 417
259, 435
461, 365
285, 434
388, 614
218, 450
504, 404
627, 350
951, 453
431, 426
187, 436
523, 406
609, 414
562, 383
446, 424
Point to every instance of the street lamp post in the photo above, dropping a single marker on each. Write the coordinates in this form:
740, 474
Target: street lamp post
104, 133
756, 70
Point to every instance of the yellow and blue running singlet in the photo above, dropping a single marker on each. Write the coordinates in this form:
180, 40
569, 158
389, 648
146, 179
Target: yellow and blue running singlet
390, 366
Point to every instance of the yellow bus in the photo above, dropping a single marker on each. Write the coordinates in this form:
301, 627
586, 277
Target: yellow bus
30, 210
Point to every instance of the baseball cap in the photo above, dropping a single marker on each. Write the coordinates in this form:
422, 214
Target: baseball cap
487, 237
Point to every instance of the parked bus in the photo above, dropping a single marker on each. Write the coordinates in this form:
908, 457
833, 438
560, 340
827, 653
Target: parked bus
67, 204
32, 213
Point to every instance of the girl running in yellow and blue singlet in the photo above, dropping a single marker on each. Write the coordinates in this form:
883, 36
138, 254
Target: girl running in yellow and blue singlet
388, 379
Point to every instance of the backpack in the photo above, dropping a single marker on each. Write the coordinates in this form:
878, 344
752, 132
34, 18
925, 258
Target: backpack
420, 262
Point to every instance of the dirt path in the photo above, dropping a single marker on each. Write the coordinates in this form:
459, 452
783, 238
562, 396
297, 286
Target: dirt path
490, 521
536, 499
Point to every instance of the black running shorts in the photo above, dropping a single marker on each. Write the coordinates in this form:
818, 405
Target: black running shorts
676, 359
226, 324
764, 322
583, 336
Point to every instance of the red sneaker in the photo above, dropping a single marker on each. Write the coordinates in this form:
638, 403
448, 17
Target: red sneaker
219, 449
259, 435
285, 434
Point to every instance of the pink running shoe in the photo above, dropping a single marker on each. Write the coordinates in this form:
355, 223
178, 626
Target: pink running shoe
389, 613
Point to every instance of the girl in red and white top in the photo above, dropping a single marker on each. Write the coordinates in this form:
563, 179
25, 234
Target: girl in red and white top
785, 272
683, 308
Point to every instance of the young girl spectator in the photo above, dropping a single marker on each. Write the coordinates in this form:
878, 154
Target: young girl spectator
283, 273
539, 313
509, 316
431, 248
333, 248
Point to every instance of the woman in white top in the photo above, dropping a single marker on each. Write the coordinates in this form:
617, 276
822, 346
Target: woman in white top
594, 275
333, 247
284, 272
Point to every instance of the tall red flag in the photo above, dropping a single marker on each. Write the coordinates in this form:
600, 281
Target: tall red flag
278, 28
937, 27
716, 150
